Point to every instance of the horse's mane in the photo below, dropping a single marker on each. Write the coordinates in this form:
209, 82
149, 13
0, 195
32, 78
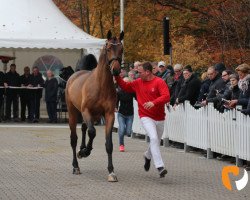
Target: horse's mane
88, 62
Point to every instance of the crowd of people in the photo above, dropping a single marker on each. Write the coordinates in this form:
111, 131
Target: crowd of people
28, 88
218, 85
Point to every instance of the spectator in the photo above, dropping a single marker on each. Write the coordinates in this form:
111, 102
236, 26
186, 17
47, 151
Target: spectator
125, 114
131, 75
36, 95
152, 95
2, 77
123, 73
231, 93
155, 68
204, 88
219, 67
189, 88
25, 96
136, 65
243, 71
216, 86
178, 79
165, 74
12, 79
51, 88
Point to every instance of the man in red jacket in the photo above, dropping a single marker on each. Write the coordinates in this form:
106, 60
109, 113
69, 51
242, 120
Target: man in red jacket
152, 94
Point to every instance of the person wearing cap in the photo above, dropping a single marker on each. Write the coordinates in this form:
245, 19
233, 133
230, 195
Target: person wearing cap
152, 94
189, 88
165, 74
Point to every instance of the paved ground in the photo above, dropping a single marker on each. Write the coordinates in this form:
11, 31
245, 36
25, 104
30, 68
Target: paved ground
35, 163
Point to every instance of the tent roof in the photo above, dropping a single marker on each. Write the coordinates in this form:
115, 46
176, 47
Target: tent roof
40, 24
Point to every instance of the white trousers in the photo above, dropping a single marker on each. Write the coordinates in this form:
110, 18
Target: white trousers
154, 130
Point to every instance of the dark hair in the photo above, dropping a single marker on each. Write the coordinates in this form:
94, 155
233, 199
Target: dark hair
229, 72
14, 65
147, 66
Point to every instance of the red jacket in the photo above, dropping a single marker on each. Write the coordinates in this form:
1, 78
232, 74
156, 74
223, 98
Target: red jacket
155, 91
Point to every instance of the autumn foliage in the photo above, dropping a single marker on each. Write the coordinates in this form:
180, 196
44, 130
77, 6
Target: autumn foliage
202, 32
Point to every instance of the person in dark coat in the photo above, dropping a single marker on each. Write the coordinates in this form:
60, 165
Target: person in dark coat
190, 87
36, 94
178, 80
217, 85
2, 77
231, 93
12, 79
25, 96
51, 88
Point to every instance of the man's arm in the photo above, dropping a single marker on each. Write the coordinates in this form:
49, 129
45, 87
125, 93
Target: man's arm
126, 86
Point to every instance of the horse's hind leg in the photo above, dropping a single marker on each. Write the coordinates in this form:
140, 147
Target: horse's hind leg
109, 117
73, 138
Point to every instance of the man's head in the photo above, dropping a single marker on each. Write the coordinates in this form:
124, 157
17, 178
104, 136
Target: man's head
162, 66
225, 75
26, 70
155, 67
234, 79
50, 74
187, 72
136, 65
35, 71
123, 73
178, 69
211, 73
145, 70
13, 68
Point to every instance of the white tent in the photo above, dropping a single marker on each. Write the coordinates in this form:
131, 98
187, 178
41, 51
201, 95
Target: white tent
32, 28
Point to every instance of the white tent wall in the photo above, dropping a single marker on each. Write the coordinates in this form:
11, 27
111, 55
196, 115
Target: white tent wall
27, 57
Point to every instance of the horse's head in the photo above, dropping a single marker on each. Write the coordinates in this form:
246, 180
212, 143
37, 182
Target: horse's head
114, 50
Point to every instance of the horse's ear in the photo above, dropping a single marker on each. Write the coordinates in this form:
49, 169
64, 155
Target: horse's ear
121, 36
109, 35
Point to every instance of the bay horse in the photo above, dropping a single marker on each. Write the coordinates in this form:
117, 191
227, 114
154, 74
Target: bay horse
93, 94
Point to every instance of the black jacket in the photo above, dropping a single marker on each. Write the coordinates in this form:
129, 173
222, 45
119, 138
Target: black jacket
25, 80
2, 78
204, 90
12, 79
189, 90
35, 81
51, 88
126, 103
217, 86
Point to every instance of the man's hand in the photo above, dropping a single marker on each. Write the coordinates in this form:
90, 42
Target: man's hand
204, 103
5, 85
233, 103
148, 105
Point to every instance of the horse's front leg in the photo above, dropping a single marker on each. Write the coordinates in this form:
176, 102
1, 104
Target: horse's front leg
85, 151
84, 129
109, 145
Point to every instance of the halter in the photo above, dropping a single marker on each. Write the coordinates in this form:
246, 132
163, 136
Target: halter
114, 58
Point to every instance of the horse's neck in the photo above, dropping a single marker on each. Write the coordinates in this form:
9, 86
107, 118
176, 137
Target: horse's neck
103, 75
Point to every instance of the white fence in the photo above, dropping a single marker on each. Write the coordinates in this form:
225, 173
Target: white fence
226, 133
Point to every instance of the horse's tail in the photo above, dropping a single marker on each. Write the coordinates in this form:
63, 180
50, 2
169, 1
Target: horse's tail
88, 62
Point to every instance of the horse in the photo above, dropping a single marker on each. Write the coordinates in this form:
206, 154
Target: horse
93, 94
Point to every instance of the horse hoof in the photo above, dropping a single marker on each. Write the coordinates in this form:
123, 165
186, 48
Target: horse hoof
76, 171
112, 177
79, 155
83, 153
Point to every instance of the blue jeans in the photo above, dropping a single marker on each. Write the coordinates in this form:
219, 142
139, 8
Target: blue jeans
125, 126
